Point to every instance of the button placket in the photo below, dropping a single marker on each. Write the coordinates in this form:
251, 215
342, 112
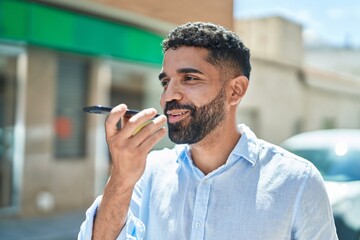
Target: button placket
201, 209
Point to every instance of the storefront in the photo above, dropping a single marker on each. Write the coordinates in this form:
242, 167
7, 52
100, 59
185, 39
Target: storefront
53, 62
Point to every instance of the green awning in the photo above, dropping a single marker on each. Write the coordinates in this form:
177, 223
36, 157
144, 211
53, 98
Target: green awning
47, 26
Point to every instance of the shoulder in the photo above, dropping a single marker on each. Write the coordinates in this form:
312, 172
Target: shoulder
272, 160
298, 177
283, 162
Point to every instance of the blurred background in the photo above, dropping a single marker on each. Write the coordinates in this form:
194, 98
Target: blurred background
57, 56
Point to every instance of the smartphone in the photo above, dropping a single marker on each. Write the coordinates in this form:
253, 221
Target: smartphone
99, 109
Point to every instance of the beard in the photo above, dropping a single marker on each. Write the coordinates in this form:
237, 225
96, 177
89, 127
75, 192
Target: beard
203, 120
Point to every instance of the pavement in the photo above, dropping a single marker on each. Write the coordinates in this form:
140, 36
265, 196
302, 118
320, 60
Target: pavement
64, 226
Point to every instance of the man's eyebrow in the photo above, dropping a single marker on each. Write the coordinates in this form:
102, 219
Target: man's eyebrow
162, 75
189, 70
181, 70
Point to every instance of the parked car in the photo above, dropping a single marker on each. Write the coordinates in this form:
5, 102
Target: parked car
336, 154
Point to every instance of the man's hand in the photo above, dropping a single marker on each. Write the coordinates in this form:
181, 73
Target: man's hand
128, 151
128, 148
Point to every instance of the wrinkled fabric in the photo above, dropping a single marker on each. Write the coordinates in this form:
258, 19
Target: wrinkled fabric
261, 192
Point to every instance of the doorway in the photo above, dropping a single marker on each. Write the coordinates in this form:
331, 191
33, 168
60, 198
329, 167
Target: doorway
11, 65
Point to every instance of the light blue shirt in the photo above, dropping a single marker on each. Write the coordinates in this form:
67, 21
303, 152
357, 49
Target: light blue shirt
261, 192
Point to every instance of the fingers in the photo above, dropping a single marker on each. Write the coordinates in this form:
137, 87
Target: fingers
150, 128
138, 121
139, 127
113, 118
150, 142
129, 145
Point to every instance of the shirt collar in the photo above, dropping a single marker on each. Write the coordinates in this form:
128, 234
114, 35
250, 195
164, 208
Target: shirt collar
247, 147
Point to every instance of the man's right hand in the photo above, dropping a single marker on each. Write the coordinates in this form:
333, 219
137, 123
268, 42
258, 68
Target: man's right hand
128, 154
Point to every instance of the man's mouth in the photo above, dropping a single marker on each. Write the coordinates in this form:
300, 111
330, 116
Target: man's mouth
177, 115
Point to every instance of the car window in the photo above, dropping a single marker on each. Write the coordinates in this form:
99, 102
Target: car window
333, 167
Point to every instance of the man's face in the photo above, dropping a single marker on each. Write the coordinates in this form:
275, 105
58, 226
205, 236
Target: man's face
193, 98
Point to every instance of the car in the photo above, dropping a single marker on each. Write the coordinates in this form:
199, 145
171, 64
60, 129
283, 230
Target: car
336, 154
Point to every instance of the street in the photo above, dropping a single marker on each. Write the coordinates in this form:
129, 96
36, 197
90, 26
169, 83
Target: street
64, 226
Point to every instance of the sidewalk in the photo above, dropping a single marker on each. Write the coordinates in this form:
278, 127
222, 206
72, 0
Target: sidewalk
63, 226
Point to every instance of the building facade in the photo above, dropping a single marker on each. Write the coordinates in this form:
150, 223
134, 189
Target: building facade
288, 94
57, 57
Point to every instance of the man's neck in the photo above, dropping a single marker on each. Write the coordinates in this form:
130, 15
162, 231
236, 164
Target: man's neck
214, 150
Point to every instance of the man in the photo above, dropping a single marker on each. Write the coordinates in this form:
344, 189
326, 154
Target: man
220, 181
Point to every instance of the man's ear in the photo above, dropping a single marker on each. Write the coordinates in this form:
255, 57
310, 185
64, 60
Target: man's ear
237, 89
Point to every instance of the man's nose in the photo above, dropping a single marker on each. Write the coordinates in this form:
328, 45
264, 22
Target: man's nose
173, 91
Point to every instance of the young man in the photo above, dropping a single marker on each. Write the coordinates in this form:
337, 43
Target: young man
220, 181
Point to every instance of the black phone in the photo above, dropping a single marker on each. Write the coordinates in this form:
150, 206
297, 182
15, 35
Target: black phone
99, 109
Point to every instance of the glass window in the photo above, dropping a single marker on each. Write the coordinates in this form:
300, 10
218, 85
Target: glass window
334, 167
70, 98
7, 124
133, 99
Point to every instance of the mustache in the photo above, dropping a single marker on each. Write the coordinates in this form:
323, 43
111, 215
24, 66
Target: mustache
175, 105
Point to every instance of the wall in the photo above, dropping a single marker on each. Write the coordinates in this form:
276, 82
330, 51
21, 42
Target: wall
273, 38
285, 96
333, 100
276, 94
178, 12
49, 184
345, 60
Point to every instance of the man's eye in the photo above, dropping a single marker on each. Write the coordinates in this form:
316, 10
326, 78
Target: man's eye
190, 78
164, 83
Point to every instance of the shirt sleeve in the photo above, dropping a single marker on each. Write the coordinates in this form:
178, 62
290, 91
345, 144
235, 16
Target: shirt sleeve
134, 229
314, 218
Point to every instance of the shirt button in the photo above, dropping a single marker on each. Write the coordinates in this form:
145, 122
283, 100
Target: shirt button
197, 224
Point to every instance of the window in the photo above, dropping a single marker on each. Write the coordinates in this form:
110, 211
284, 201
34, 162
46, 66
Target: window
12, 60
127, 86
70, 98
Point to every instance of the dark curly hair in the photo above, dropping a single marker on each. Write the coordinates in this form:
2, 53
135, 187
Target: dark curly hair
226, 50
